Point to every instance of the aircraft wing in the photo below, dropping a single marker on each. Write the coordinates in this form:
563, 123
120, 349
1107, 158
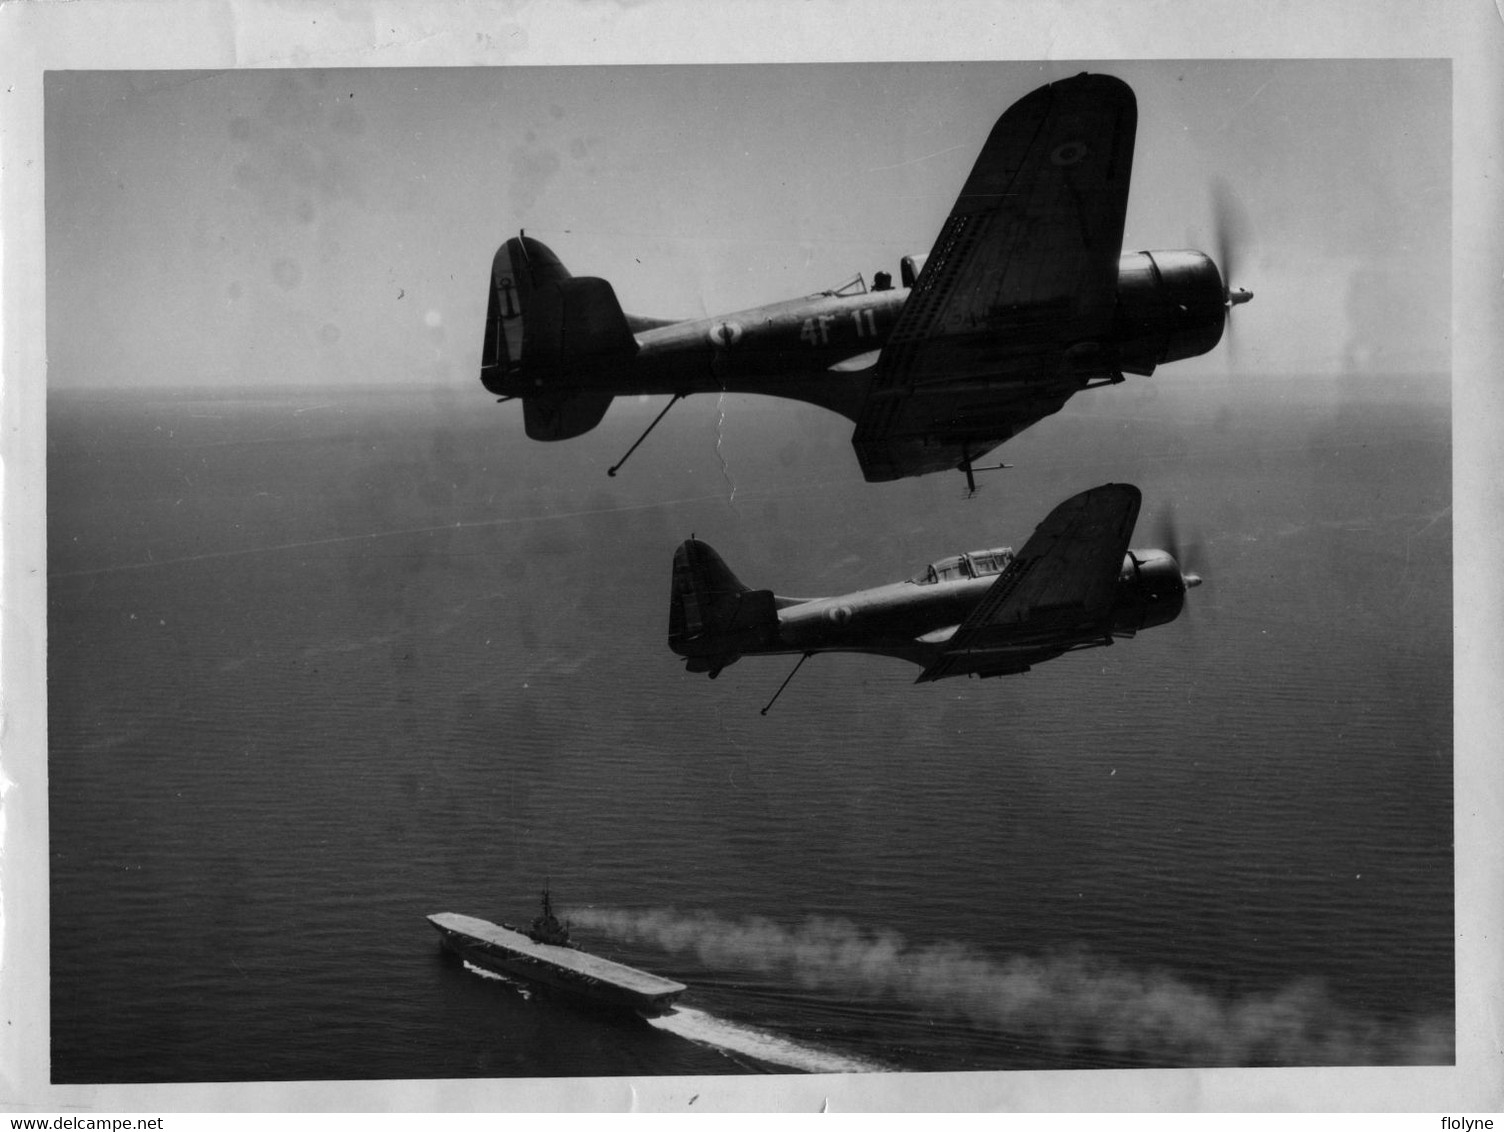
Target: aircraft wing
1057, 591
1019, 290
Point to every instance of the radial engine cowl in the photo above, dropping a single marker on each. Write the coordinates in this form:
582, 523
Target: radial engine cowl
1171, 306
1151, 591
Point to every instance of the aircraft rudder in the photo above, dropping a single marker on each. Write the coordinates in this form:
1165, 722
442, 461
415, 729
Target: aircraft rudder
520, 268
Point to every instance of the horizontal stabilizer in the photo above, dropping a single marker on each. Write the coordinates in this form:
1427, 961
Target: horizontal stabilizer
576, 327
714, 618
547, 417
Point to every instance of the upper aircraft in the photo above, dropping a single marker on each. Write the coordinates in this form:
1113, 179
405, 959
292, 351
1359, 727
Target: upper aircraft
1074, 585
1025, 299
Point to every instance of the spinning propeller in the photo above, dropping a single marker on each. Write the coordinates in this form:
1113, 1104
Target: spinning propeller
1230, 236
1187, 555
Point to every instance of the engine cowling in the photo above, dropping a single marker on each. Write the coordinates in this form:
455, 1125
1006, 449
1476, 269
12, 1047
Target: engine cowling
1171, 306
1151, 591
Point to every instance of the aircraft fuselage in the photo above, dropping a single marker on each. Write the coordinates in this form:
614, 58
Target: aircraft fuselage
783, 349
739, 352
820, 348
888, 620
911, 620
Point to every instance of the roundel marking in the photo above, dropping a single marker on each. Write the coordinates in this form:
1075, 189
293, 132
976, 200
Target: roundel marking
1068, 153
838, 614
725, 334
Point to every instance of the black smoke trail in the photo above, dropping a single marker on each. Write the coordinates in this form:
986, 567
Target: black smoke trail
1069, 1002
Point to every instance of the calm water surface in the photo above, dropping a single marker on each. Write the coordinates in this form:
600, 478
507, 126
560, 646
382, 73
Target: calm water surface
321, 664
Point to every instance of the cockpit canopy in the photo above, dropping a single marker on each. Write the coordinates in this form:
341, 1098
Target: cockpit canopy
908, 270
959, 567
856, 285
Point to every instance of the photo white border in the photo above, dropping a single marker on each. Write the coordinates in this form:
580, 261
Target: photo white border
167, 34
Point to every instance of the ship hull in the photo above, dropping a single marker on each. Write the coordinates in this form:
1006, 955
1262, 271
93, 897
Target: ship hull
578, 974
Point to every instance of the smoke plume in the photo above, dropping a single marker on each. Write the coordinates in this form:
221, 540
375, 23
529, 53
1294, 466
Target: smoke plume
1071, 1002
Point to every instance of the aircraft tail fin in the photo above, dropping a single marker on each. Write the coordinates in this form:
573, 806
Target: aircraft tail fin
713, 618
556, 341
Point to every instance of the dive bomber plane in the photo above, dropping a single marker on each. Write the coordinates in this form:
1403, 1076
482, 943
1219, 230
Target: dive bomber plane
1025, 299
1074, 585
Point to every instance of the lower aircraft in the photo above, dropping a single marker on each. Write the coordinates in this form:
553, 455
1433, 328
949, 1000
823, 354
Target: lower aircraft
1025, 299
1074, 585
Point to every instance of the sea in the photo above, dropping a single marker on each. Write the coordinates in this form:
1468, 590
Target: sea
323, 661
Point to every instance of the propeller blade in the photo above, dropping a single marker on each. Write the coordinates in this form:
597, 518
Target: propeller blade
1188, 554
1167, 538
1230, 230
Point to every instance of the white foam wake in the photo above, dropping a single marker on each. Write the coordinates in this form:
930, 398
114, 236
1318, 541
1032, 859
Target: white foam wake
705, 1029
520, 988
697, 1026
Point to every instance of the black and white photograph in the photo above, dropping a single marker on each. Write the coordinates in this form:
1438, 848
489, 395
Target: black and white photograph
865, 571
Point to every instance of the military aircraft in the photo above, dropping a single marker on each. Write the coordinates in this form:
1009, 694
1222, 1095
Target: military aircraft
1074, 585
1024, 300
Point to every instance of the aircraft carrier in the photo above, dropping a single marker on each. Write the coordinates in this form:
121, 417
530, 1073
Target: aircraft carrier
544, 955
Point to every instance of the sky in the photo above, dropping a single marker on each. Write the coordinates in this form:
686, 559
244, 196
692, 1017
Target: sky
270, 227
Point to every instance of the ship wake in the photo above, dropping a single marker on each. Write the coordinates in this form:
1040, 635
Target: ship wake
1071, 1003
706, 1029
521, 988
